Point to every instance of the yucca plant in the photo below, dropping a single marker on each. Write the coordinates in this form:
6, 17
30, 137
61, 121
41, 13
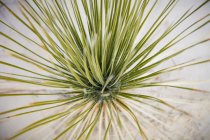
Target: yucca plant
91, 55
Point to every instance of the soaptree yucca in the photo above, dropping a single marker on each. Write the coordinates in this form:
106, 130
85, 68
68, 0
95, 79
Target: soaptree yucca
91, 55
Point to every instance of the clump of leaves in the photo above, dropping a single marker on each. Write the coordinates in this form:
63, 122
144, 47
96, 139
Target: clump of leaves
93, 57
